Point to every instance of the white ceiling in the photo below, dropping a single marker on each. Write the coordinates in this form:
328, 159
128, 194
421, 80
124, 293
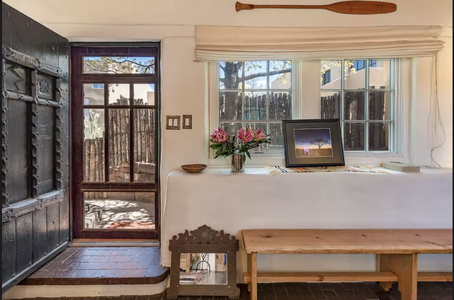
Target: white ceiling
148, 19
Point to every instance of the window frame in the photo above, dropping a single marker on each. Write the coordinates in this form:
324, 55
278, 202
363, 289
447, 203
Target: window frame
366, 121
214, 120
306, 77
79, 186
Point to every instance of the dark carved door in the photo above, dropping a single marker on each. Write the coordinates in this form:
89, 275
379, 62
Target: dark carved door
35, 146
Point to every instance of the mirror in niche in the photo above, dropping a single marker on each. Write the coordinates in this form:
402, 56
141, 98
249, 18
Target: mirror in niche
203, 264
203, 268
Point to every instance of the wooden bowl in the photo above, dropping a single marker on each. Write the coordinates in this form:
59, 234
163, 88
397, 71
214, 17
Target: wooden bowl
195, 168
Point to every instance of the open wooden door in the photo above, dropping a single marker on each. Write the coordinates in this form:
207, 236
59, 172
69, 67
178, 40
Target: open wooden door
115, 140
35, 151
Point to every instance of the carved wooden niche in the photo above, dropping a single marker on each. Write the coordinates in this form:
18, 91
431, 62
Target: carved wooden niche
203, 264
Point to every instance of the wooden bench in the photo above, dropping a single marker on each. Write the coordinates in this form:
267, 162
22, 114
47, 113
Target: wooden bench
396, 249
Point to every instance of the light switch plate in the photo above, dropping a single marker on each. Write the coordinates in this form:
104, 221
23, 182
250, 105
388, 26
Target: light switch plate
187, 121
173, 122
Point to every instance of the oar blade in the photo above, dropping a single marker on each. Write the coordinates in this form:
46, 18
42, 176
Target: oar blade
362, 7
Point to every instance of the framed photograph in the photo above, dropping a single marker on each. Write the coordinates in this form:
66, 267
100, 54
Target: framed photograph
313, 143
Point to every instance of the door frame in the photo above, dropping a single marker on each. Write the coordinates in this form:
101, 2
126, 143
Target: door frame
78, 50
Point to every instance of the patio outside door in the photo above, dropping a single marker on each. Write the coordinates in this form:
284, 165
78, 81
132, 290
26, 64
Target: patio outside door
115, 134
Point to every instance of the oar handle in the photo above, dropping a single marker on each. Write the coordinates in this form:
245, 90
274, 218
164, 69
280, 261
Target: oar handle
241, 6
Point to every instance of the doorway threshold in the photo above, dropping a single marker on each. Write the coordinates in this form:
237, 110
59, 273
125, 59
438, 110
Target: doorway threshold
114, 243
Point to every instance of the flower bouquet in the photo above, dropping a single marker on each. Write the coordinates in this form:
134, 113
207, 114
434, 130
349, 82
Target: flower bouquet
238, 146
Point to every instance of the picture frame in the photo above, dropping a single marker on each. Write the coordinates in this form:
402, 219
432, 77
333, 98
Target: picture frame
313, 143
203, 240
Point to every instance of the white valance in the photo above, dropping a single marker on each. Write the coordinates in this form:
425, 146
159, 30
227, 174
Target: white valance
230, 43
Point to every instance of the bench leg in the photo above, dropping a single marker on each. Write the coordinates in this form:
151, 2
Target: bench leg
252, 269
405, 266
385, 285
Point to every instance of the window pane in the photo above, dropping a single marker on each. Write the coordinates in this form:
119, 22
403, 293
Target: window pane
119, 65
230, 75
354, 105
144, 94
144, 145
231, 128
118, 94
280, 75
354, 136
255, 75
330, 105
255, 106
230, 106
280, 105
94, 94
379, 105
263, 148
119, 210
379, 136
330, 74
94, 145
119, 145
355, 74
380, 74
277, 139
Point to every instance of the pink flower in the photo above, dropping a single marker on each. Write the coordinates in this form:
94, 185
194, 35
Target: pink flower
258, 135
245, 135
219, 136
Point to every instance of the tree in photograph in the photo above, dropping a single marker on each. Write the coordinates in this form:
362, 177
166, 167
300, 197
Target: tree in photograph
320, 142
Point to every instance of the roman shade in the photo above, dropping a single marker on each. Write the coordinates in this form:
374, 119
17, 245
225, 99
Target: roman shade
230, 43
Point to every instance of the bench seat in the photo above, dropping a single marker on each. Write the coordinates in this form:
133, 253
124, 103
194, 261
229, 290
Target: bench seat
396, 249
348, 241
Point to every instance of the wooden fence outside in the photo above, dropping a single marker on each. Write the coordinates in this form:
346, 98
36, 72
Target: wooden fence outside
119, 137
354, 110
280, 107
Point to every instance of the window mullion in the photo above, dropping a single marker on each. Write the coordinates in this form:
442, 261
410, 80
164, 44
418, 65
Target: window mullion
267, 127
341, 113
366, 109
243, 87
106, 132
131, 133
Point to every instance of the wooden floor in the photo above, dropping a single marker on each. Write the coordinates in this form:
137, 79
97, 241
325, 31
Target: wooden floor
314, 291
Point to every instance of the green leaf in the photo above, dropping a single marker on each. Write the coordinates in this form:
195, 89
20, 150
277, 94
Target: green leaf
248, 154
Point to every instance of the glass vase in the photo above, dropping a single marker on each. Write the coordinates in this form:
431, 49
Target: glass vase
238, 162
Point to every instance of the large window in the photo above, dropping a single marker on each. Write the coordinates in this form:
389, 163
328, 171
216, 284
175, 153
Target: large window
363, 99
257, 94
260, 94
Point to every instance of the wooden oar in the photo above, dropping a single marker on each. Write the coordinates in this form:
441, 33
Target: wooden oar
345, 7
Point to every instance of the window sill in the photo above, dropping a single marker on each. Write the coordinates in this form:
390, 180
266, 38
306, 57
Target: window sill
351, 158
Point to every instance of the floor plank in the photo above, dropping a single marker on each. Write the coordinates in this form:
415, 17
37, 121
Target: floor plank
312, 291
